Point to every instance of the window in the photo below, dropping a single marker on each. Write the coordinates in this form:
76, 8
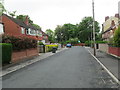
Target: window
1, 29
40, 34
22, 30
28, 31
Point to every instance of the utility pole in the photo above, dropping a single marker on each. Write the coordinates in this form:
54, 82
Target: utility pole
119, 13
94, 28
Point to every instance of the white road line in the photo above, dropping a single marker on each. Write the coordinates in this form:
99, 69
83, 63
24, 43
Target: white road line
114, 77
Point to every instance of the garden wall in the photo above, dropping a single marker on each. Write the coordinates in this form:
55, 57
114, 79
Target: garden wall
114, 50
20, 55
103, 47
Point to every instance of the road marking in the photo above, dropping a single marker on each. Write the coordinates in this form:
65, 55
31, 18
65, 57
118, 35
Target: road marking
103, 80
111, 74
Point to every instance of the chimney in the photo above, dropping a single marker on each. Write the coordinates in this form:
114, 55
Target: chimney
112, 23
117, 15
26, 20
106, 18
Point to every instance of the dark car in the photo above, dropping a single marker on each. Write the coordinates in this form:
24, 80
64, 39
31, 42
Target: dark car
69, 45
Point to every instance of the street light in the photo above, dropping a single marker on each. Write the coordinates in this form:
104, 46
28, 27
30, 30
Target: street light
94, 28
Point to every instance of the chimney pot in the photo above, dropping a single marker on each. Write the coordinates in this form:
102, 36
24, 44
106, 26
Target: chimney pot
106, 18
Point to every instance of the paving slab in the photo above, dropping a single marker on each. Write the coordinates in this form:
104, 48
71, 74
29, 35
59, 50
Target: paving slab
111, 62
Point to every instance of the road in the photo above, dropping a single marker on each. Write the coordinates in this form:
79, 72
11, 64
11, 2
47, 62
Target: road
71, 68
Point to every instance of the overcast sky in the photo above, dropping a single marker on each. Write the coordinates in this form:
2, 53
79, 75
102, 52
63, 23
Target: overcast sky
50, 13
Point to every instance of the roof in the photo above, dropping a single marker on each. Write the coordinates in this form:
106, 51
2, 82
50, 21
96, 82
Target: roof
21, 23
17, 21
44, 33
32, 27
110, 28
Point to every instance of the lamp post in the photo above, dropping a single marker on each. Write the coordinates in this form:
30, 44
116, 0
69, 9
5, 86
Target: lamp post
94, 28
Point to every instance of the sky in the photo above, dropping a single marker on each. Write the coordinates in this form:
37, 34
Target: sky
50, 13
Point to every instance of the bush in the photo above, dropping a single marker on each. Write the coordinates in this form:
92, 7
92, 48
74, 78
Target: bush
20, 42
40, 43
116, 37
6, 52
73, 41
88, 43
49, 47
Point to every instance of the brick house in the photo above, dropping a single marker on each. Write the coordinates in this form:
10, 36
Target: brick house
109, 27
16, 27
45, 37
13, 26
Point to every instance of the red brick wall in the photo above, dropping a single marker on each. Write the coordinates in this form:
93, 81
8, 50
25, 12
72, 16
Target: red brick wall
20, 55
114, 50
80, 44
11, 27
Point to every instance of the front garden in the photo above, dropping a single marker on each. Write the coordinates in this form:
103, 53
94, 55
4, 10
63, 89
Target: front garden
16, 48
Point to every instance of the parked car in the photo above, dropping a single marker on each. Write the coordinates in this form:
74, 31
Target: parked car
69, 45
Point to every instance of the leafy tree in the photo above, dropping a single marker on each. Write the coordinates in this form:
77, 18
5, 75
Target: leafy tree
117, 37
2, 9
50, 34
58, 33
82, 31
65, 32
85, 29
12, 13
23, 17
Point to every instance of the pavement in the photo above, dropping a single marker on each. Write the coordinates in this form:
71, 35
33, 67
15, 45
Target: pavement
109, 62
16, 66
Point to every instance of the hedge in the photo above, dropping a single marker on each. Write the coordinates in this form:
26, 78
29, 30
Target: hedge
88, 43
49, 47
6, 52
40, 43
19, 42
116, 37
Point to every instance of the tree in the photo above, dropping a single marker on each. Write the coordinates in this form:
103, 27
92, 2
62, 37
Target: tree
23, 17
2, 9
116, 37
82, 31
50, 34
12, 13
85, 29
65, 32
58, 33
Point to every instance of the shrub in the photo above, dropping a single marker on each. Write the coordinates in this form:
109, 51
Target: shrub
88, 43
40, 43
19, 42
116, 37
49, 47
6, 52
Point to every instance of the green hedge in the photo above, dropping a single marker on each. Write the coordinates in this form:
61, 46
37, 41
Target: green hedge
88, 43
40, 43
116, 37
20, 42
6, 52
49, 47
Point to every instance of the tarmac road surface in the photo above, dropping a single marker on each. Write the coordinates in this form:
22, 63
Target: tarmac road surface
71, 68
